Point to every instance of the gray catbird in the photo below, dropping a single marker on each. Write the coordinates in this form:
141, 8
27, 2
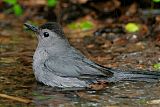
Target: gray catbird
56, 63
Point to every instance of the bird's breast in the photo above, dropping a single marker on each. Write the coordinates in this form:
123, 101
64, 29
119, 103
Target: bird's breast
40, 55
39, 58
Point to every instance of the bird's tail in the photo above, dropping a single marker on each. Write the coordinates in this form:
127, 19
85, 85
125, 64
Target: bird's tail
146, 76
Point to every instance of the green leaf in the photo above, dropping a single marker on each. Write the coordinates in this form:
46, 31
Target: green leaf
83, 25
13, 2
156, 1
74, 26
51, 3
156, 66
86, 25
17, 9
132, 27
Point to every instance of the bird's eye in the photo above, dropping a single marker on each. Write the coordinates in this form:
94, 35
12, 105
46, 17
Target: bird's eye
46, 34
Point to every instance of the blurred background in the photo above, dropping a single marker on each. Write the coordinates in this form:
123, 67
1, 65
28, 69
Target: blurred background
122, 34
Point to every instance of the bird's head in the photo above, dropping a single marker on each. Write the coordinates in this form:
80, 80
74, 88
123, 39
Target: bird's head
48, 34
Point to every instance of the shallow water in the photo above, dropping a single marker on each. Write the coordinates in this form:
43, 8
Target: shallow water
121, 94
17, 79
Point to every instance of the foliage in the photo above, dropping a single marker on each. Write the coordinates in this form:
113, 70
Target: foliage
132, 27
13, 2
51, 3
156, 1
84, 25
156, 66
16, 8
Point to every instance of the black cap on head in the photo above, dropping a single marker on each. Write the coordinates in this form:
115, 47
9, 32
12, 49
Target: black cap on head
53, 26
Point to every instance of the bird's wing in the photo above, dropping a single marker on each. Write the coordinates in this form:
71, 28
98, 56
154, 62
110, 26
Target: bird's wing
73, 64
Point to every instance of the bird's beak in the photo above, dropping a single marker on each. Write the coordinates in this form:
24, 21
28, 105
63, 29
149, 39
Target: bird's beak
31, 27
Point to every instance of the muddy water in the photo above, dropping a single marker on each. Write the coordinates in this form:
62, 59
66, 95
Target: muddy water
17, 79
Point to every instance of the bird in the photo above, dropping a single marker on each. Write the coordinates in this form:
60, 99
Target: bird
57, 63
